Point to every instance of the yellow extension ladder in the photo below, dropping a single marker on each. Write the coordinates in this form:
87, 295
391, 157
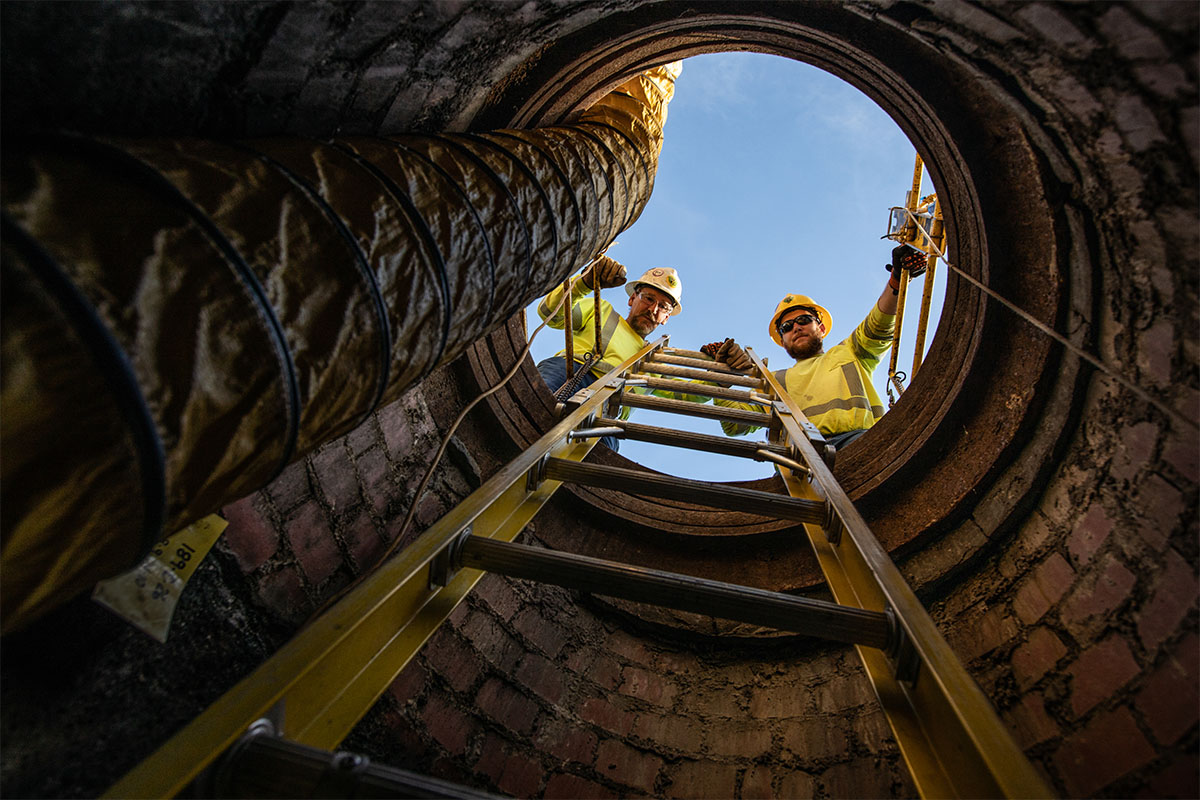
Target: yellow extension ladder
308, 696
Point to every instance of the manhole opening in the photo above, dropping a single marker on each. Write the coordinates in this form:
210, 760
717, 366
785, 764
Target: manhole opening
776, 177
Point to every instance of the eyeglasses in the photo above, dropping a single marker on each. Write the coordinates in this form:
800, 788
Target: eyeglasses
657, 305
802, 319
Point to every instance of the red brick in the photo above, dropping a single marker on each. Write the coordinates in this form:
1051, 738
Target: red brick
979, 636
570, 787
1169, 701
864, 777
313, 543
250, 534
1106, 749
1030, 721
283, 592
452, 659
1133, 450
364, 436
750, 740
1109, 590
542, 677
629, 647
1181, 453
756, 785
1039, 653
498, 593
541, 632
605, 671
623, 764
601, 712
799, 784
778, 699
1089, 534
376, 474
334, 475
567, 742
645, 685
702, 779
1099, 672
492, 755
1174, 595
1160, 504
1178, 779
492, 641
843, 693
409, 683
507, 706
522, 776
291, 487
815, 739
682, 734
364, 541
1049, 582
447, 725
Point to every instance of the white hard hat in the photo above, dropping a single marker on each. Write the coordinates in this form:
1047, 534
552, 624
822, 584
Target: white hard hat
666, 280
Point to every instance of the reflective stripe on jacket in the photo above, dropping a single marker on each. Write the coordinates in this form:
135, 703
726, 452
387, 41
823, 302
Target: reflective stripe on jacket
834, 389
620, 341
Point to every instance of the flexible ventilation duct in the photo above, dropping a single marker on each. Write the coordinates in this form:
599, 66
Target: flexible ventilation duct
183, 319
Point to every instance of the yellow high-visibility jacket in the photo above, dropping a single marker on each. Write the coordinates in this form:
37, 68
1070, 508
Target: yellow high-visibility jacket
620, 341
834, 389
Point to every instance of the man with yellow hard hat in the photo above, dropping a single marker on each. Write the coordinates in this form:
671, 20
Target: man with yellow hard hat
832, 387
653, 299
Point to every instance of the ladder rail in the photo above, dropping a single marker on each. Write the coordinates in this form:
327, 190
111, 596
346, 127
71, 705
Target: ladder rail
379, 625
950, 735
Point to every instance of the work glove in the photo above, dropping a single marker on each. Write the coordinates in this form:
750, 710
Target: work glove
905, 256
731, 353
609, 272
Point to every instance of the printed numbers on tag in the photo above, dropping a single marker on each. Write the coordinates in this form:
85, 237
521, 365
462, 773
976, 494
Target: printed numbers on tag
184, 554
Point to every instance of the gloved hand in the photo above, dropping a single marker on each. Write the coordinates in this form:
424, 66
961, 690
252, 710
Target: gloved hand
731, 353
711, 349
610, 273
905, 256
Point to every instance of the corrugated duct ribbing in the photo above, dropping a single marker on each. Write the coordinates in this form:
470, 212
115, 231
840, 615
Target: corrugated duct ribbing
182, 319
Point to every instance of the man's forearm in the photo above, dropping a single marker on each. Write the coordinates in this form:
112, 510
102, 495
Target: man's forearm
887, 302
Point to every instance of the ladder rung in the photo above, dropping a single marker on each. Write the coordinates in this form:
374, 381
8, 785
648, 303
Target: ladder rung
738, 379
648, 484
692, 387
693, 441
688, 409
684, 592
679, 351
697, 363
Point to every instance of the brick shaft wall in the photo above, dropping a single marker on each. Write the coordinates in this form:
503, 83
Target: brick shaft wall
1077, 615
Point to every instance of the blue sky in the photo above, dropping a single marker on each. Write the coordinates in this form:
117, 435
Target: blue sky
775, 177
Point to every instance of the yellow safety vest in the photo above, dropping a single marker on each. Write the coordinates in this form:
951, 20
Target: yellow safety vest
834, 389
620, 341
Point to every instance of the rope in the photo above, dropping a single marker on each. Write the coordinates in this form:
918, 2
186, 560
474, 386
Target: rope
1058, 337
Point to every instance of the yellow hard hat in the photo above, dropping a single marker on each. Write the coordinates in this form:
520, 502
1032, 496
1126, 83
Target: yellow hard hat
664, 279
797, 301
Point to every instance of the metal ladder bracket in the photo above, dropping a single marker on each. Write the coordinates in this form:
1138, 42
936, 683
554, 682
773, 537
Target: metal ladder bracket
832, 525
446, 563
902, 655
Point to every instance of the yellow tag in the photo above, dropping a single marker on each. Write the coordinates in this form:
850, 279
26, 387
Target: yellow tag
146, 596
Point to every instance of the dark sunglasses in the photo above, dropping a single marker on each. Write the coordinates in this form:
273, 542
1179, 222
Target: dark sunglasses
803, 319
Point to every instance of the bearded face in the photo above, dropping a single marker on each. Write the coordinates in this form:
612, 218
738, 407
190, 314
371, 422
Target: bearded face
802, 341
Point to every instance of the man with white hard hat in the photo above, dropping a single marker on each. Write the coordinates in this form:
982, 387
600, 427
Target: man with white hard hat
653, 299
832, 387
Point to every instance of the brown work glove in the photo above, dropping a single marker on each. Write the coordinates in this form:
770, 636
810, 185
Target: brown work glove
611, 273
731, 353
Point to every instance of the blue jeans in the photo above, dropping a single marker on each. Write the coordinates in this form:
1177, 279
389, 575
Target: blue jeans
554, 373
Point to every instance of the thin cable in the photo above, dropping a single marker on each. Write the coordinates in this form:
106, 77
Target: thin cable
1058, 337
408, 517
